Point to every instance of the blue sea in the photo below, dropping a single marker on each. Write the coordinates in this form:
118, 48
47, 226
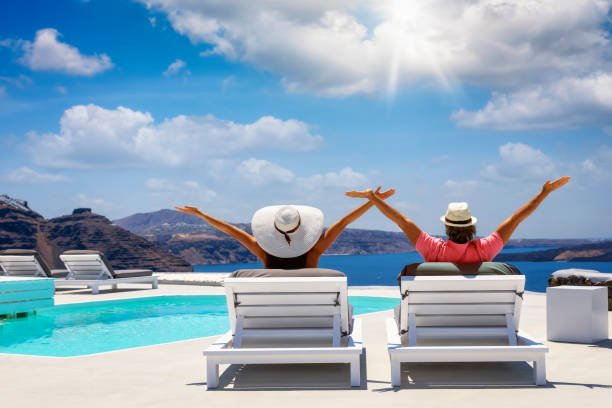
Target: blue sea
382, 269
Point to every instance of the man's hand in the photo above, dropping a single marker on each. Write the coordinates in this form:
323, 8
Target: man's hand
552, 186
189, 210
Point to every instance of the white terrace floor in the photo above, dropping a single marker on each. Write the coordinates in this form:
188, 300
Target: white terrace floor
172, 375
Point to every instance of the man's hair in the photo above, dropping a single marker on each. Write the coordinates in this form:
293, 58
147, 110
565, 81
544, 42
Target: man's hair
461, 235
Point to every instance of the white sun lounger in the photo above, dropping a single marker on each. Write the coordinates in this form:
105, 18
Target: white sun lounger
287, 320
27, 262
90, 268
474, 318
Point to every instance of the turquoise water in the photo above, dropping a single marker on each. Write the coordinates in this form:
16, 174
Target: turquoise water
96, 327
368, 270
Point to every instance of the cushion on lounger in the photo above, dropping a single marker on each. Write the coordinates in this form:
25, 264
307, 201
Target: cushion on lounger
125, 273
131, 273
29, 252
284, 273
59, 273
450, 269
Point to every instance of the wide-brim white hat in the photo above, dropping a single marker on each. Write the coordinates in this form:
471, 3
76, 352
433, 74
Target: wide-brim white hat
303, 231
458, 215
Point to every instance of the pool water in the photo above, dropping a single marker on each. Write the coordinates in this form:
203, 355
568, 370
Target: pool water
96, 327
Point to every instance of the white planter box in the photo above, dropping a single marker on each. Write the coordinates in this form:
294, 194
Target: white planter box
577, 314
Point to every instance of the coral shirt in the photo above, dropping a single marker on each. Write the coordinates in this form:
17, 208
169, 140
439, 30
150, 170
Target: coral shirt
478, 250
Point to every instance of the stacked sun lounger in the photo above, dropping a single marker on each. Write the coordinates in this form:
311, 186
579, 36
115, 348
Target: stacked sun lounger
92, 269
27, 262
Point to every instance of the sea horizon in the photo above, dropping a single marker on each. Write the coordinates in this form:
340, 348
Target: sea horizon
382, 269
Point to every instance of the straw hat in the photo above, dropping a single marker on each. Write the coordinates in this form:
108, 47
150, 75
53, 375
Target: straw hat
458, 215
287, 231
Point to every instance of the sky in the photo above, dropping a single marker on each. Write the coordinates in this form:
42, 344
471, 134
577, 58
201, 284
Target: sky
133, 106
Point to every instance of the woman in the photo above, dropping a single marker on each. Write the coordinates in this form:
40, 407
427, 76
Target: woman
288, 236
460, 228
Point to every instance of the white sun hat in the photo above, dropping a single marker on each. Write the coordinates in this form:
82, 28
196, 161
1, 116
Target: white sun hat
287, 231
458, 215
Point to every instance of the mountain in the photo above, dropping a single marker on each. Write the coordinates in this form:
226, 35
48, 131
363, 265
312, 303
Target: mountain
20, 227
198, 242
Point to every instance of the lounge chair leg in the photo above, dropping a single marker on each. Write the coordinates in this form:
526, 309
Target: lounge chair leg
355, 372
154, 284
539, 371
336, 330
95, 289
412, 335
212, 374
396, 373
114, 287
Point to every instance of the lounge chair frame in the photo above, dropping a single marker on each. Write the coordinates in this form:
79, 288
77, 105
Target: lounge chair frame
21, 265
451, 307
91, 271
285, 309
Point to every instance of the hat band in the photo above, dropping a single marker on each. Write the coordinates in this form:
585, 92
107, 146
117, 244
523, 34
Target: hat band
285, 233
458, 222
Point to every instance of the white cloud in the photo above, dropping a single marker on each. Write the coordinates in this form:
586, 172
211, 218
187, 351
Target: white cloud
519, 161
376, 46
92, 136
346, 178
175, 67
47, 53
459, 189
440, 159
153, 21
569, 102
178, 191
227, 82
599, 165
98, 205
260, 172
2, 91
19, 81
61, 89
25, 175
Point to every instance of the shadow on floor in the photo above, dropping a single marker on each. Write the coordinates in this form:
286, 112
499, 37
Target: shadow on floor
603, 344
289, 377
466, 375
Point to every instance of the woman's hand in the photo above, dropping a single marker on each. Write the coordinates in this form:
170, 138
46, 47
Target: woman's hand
552, 186
189, 210
370, 194
360, 194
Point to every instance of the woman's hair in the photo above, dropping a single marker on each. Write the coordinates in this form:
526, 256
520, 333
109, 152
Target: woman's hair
461, 235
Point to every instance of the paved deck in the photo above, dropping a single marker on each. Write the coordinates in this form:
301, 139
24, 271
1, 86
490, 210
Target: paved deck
172, 375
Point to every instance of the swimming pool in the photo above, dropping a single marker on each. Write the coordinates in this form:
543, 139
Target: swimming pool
96, 327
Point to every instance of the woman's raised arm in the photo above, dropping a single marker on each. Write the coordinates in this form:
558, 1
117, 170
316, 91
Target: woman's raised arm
507, 227
410, 229
244, 238
335, 230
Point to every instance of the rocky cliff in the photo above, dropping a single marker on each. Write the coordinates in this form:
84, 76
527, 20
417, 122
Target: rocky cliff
20, 227
199, 243
594, 252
